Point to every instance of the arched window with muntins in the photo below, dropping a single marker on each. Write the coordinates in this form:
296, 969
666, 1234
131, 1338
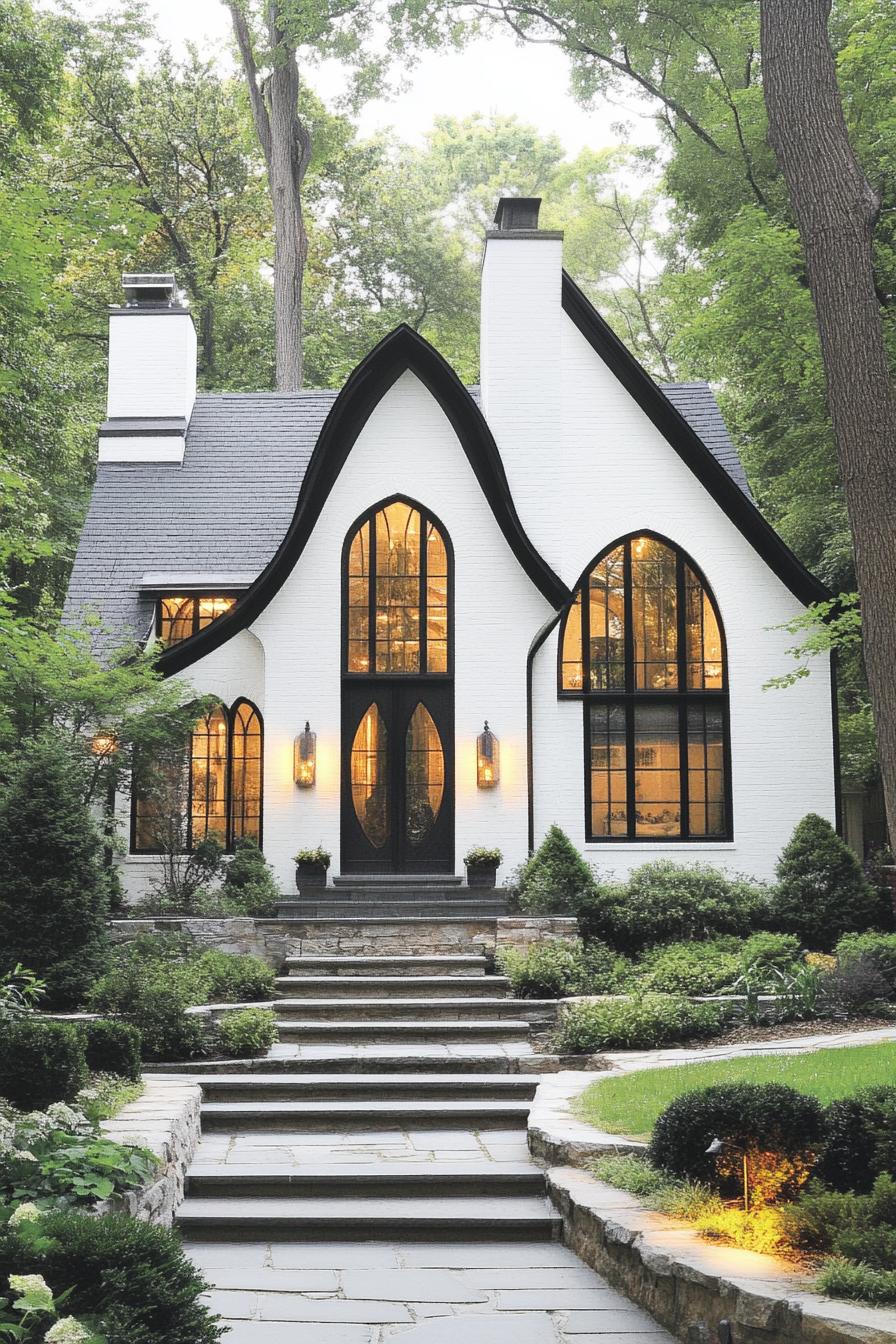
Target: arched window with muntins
642, 646
397, 594
218, 783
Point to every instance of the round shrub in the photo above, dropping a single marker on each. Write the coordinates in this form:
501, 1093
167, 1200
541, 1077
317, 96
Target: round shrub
53, 892
112, 1047
859, 1139
40, 1062
234, 979
635, 1024
249, 1032
134, 1276
556, 879
822, 892
249, 886
667, 902
781, 1129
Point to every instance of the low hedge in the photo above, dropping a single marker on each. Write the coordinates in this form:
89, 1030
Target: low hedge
554, 969
860, 1139
41, 1061
877, 948
636, 1023
130, 1276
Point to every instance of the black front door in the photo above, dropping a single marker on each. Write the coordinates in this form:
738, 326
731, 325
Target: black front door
397, 776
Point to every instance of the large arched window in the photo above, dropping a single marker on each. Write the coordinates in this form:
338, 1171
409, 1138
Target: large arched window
397, 594
642, 645
216, 792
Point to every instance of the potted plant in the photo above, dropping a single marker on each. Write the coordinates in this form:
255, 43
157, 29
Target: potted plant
311, 868
482, 866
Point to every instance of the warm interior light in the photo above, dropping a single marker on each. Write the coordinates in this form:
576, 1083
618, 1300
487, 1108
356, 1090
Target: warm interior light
488, 759
103, 743
305, 758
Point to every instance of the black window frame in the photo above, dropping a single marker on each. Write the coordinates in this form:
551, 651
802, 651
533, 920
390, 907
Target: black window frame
229, 848
427, 518
195, 598
682, 697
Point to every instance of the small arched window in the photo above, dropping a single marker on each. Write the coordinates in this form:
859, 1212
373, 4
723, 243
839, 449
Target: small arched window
217, 791
397, 593
642, 645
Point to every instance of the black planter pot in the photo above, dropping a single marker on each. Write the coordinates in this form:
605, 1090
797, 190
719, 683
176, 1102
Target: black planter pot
481, 875
310, 877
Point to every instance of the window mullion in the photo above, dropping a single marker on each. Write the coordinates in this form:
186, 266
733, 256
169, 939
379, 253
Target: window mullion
423, 595
372, 548
681, 639
585, 624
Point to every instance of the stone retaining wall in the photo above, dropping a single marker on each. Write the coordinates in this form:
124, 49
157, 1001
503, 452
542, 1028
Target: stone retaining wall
275, 939
165, 1119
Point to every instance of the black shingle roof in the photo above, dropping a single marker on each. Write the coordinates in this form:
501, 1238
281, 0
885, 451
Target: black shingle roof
227, 508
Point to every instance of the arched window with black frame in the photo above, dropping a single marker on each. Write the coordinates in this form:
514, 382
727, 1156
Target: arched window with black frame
642, 645
214, 790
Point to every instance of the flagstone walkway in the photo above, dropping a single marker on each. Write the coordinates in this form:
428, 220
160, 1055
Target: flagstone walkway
384, 1191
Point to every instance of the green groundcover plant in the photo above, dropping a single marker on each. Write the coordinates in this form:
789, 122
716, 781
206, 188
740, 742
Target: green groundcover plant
59, 1157
638, 1023
247, 1033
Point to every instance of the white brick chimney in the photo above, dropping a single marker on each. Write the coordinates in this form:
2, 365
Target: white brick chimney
520, 355
152, 374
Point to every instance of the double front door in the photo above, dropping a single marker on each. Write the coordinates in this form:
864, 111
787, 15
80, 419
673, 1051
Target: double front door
398, 776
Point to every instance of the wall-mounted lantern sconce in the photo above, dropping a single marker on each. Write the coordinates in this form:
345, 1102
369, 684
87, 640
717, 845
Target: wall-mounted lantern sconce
304, 758
103, 743
488, 759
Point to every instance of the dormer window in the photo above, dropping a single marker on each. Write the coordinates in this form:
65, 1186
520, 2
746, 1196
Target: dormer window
177, 618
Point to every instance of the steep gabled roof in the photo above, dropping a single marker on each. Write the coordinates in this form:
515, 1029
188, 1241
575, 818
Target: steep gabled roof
706, 466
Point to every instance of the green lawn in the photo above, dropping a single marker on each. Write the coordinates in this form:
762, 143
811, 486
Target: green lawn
631, 1104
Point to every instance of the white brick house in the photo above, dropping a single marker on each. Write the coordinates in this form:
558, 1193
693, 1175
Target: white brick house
397, 563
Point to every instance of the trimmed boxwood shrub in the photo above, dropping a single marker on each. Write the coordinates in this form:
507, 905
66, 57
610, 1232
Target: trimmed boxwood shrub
556, 880
667, 902
134, 1276
226, 978
765, 1118
247, 1033
40, 1062
860, 1139
53, 892
822, 892
249, 886
112, 1047
635, 1024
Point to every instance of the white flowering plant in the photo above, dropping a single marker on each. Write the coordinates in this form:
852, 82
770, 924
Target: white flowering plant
60, 1157
30, 1314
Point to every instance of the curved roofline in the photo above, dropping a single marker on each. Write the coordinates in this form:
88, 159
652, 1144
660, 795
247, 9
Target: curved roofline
403, 350
690, 447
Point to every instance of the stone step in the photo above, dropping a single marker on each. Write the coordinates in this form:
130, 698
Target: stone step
395, 1009
462, 1218
400, 881
371, 1180
363, 1087
345, 1059
384, 907
303, 1116
459, 966
470, 1030
400, 986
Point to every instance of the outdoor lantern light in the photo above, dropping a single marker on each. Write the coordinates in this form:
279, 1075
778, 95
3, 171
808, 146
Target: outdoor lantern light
718, 1146
103, 743
304, 757
488, 759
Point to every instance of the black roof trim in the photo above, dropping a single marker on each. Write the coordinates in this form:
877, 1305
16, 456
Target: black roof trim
402, 350
690, 448
125, 427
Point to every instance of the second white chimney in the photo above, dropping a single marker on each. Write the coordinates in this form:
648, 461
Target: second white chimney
520, 353
152, 374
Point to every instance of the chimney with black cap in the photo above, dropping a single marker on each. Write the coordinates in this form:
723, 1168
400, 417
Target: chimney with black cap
152, 373
520, 351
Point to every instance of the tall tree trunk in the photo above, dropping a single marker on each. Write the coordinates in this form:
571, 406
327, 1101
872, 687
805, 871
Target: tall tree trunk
286, 144
835, 209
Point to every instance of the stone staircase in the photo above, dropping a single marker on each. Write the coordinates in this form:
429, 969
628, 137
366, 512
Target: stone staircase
422, 1141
